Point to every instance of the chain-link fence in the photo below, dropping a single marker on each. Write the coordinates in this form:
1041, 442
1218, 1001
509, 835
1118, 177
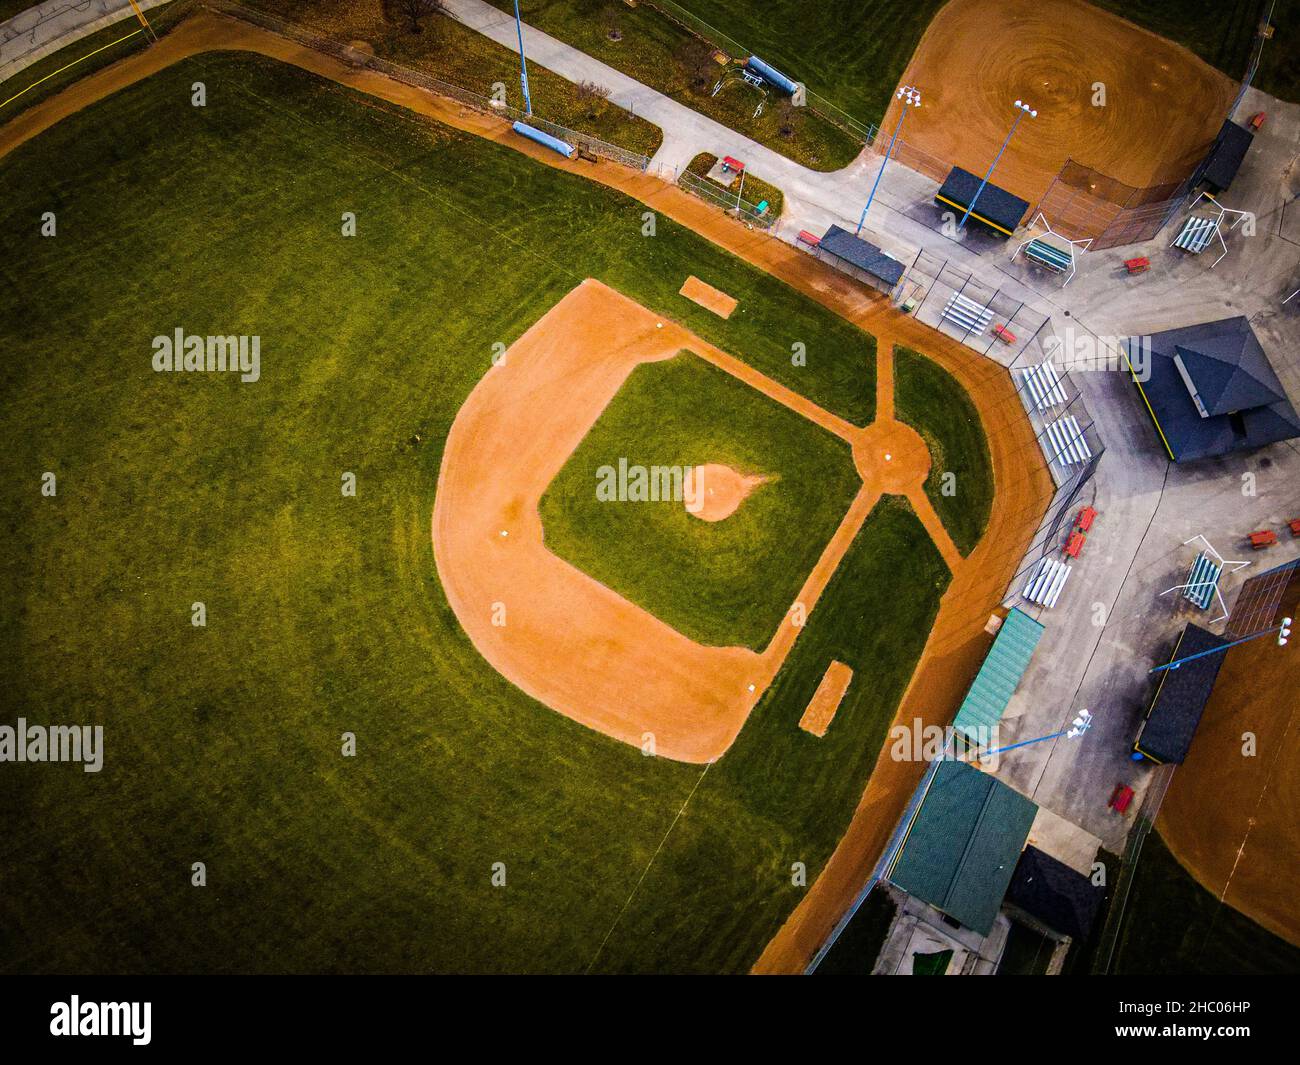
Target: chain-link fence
584, 142
1084, 203
729, 202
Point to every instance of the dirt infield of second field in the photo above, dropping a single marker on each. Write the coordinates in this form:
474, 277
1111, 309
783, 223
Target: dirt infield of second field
1228, 818
1162, 105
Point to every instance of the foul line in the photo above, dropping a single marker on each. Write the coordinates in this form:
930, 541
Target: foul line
72, 64
645, 872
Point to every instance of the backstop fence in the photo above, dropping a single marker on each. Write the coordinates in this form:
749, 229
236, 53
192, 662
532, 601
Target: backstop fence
1083, 203
584, 142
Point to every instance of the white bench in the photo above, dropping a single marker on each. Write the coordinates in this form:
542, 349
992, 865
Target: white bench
1046, 582
1196, 234
1069, 445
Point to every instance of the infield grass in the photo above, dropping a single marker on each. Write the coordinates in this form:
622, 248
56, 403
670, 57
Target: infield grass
929, 399
724, 583
324, 616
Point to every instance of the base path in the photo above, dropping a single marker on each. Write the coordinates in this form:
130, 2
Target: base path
977, 58
957, 641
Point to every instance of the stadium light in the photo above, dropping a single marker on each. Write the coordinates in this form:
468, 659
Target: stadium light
1082, 723
1283, 632
911, 97
1022, 109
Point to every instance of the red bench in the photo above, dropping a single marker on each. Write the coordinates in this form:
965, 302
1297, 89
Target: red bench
1086, 517
1295, 527
728, 163
1138, 265
1120, 798
1075, 544
1004, 334
1257, 120
811, 239
1264, 538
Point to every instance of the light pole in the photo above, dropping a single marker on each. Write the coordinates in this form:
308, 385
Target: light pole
911, 98
1022, 109
523, 63
1082, 723
1283, 631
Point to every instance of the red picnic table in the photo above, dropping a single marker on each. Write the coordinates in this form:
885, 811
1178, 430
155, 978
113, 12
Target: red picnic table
1120, 798
1075, 544
1138, 265
730, 163
1263, 538
1086, 517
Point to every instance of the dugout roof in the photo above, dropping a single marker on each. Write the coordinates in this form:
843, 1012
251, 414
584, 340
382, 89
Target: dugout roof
1225, 158
1166, 734
1212, 390
1065, 901
862, 254
961, 848
996, 681
996, 209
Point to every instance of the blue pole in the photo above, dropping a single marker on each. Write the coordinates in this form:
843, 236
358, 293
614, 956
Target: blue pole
1024, 743
971, 206
1215, 650
881, 172
523, 63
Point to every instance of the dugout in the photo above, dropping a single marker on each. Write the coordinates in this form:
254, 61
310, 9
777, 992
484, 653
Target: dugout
1167, 731
1227, 155
859, 258
995, 209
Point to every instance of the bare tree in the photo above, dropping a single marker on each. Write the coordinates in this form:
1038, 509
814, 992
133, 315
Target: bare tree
592, 94
414, 10
695, 58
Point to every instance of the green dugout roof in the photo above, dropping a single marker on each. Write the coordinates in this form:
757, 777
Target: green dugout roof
1006, 663
962, 846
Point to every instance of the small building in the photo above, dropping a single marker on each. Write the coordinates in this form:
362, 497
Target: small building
1170, 724
859, 258
1211, 390
991, 691
996, 210
1227, 155
961, 847
1055, 896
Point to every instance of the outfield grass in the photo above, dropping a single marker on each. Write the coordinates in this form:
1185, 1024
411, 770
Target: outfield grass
324, 614
929, 399
1207, 937
661, 53
725, 583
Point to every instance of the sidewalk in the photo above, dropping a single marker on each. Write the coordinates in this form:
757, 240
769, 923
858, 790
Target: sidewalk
43, 29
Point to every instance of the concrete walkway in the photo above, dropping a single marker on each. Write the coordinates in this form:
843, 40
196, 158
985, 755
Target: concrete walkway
43, 29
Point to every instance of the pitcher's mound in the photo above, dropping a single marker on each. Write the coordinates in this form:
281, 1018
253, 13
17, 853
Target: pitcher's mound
718, 490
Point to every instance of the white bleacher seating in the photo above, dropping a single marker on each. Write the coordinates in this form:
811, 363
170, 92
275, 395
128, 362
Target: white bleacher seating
1069, 445
1196, 234
965, 312
1044, 385
1046, 582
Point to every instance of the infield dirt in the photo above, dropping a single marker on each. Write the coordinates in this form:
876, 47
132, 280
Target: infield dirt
1108, 94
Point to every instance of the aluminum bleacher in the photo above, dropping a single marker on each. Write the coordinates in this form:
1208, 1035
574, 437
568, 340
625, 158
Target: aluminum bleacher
1048, 255
1069, 445
1202, 581
1196, 234
1044, 385
1046, 581
965, 312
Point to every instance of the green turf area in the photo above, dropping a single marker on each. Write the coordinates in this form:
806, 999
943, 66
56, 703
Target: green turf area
60, 69
756, 190
661, 53
1208, 937
454, 53
929, 399
1219, 31
724, 583
324, 614
855, 950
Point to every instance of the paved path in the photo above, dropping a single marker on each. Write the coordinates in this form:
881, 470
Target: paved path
42, 29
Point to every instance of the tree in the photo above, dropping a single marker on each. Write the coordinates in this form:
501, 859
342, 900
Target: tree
414, 10
592, 94
695, 58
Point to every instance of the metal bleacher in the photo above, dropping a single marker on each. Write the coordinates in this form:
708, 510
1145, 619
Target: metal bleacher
1069, 445
1202, 581
1044, 385
1196, 234
1046, 582
1048, 255
965, 312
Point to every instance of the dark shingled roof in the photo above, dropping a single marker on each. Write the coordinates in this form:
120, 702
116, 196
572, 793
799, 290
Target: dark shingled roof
1166, 735
862, 254
1230, 148
1242, 403
996, 208
1065, 901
